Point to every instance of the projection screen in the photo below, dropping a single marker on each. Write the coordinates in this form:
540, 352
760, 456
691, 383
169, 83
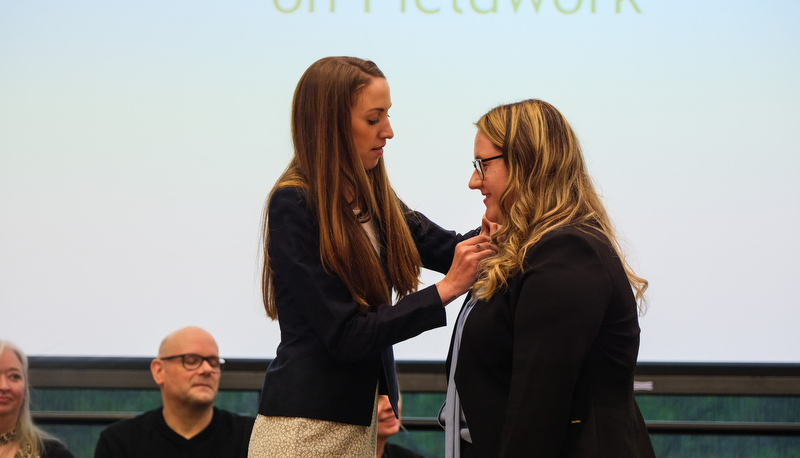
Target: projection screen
139, 141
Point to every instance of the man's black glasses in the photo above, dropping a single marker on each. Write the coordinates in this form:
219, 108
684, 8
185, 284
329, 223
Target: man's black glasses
191, 361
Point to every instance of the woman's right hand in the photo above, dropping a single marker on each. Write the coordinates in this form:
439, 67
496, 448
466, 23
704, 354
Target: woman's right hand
465, 268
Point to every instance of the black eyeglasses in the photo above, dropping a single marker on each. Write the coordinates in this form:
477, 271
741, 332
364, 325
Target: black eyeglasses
478, 164
191, 361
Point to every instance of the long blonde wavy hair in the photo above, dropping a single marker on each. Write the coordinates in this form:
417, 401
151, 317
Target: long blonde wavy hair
27, 434
325, 163
548, 188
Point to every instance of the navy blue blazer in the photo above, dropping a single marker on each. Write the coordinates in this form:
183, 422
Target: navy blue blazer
331, 357
545, 367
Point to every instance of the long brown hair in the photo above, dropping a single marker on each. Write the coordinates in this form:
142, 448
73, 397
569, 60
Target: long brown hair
325, 163
548, 188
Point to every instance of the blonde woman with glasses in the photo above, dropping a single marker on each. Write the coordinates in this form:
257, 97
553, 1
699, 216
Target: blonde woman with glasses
543, 353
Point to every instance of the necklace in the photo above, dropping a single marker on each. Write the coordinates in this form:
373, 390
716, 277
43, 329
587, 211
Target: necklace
21, 452
8, 437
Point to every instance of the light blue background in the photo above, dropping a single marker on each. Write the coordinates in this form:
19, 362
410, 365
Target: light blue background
138, 141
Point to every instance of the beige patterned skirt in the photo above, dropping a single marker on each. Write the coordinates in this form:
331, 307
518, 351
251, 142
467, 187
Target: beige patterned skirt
292, 437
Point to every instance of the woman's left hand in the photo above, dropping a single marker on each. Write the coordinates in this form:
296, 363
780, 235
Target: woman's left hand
488, 227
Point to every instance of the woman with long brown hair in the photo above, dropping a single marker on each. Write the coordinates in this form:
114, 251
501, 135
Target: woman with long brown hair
337, 241
543, 353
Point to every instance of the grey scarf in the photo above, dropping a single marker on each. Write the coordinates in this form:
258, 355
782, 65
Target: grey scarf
451, 416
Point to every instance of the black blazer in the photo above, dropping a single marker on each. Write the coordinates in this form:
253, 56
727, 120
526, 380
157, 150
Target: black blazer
546, 365
331, 357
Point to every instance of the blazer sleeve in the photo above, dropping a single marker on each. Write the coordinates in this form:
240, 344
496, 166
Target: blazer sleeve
326, 304
562, 300
436, 246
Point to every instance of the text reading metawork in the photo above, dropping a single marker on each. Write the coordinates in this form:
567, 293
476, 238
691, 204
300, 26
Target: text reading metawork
478, 6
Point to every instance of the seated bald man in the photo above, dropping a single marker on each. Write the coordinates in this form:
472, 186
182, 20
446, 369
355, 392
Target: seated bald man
188, 425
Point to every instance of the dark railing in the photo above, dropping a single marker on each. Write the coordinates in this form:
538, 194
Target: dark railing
424, 376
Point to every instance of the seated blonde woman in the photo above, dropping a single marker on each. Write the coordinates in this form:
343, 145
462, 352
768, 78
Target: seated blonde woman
19, 438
